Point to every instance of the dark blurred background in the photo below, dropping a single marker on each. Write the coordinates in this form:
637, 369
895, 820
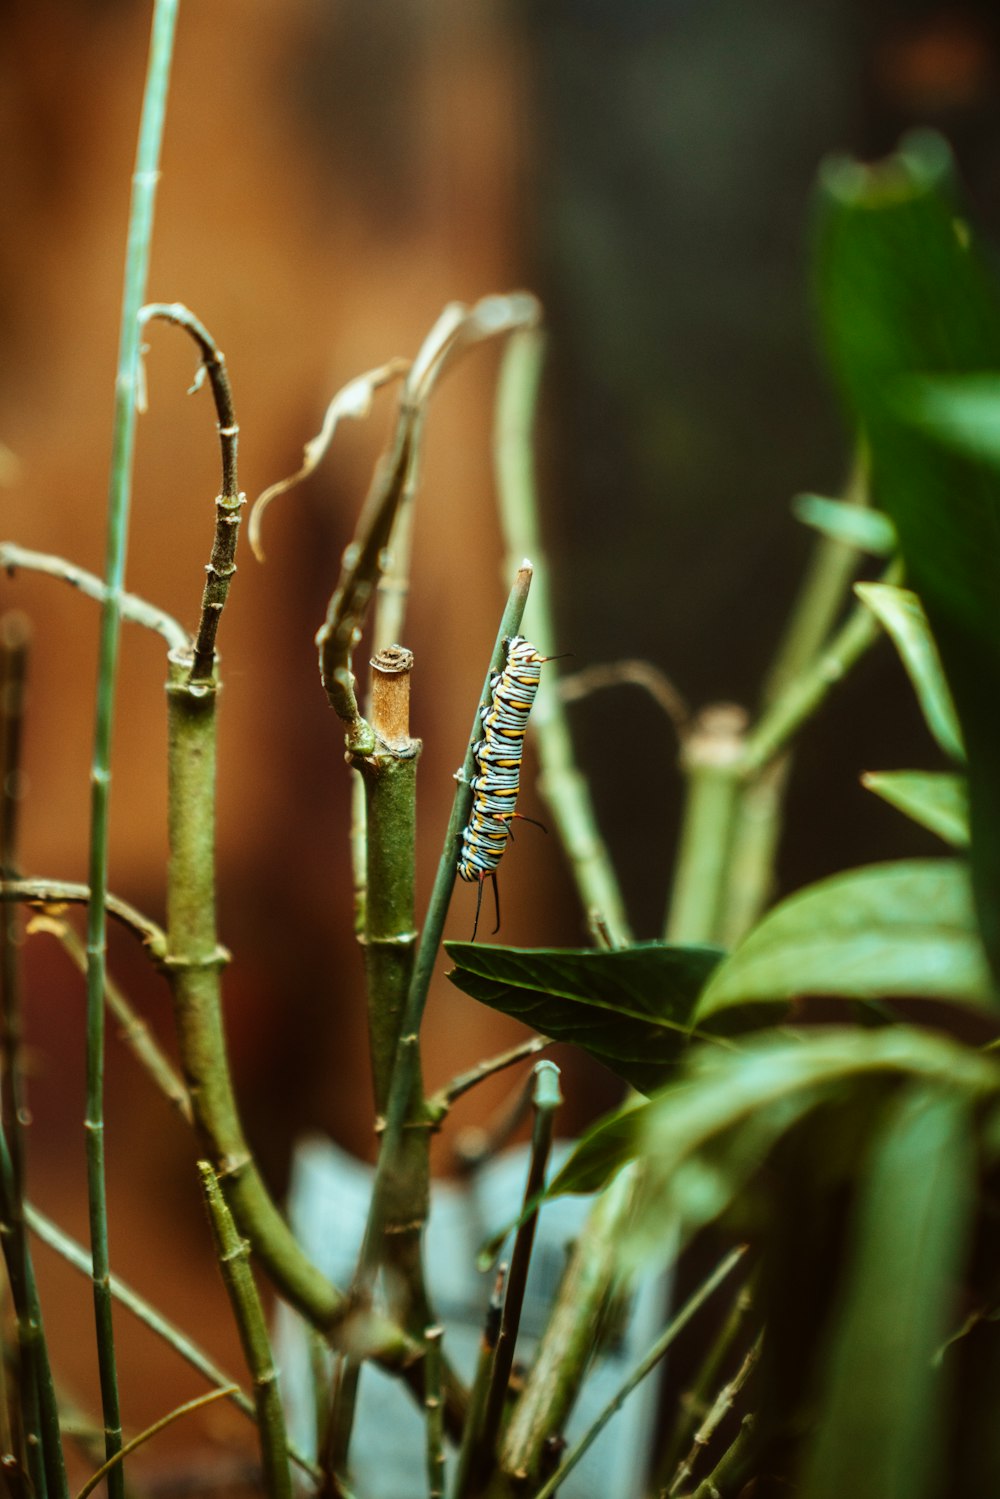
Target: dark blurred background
334, 172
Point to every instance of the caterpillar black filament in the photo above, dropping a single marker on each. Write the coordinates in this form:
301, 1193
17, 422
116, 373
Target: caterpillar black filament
498, 754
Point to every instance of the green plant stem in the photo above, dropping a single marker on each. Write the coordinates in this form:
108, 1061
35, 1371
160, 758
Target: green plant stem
37, 1396
193, 962
560, 782
134, 610
123, 446
696, 1402
151, 1431
480, 1388
405, 1065
644, 1367
434, 1410
804, 693
389, 776
732, 1471
14, 643
234, 1261
228, 504
567, 1344
441, 1102
36, 1393
711, 762
546, 1099
717, 1413
74, 1254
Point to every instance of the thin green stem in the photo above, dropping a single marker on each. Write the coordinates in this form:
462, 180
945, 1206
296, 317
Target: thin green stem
119, 498
719, 1409
152, 1431
697, 1401
480, 1388
567, 1344
639, 1373
560, 782
234, 1261
800, 698
74, 1254
434, 1410
732, 1471
546, 1099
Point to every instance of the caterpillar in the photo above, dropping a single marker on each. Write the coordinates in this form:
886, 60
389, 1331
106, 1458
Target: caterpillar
498, 755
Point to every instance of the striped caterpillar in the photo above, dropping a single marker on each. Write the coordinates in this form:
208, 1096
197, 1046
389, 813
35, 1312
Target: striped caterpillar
498, 753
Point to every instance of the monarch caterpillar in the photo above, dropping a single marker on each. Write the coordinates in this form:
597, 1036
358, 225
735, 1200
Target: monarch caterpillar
498, 753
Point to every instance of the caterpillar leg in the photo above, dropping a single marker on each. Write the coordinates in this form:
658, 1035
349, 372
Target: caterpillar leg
522, 818
490, 874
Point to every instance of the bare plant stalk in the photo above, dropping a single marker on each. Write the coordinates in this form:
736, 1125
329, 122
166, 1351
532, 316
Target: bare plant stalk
47, 894
644, 1367
119, 499
198, 1403
546, 1099
228, 504
15, 636
711, 758
74, 1254
134, 1031
134, 610
560, 782
439, 1105
234, 1261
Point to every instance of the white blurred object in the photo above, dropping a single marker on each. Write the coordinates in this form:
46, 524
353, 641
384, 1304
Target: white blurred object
328, 1206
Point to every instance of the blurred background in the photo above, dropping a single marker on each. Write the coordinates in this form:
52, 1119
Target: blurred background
334, 172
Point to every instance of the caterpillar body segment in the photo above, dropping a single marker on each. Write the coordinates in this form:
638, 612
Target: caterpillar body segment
498, 755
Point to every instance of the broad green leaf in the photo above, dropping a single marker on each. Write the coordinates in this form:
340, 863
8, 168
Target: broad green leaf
936, 800
701, 1140
901, 615
906, 295
904, 929
961, 411
754, 1093
629, 1009
880, 1433
855, 525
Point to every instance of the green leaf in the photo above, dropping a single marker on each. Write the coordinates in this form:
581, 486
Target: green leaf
904, 929
629, 1009
961, 411
880, 1433
855, 525
901, 615
936, 800
907, 296
702, 1140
